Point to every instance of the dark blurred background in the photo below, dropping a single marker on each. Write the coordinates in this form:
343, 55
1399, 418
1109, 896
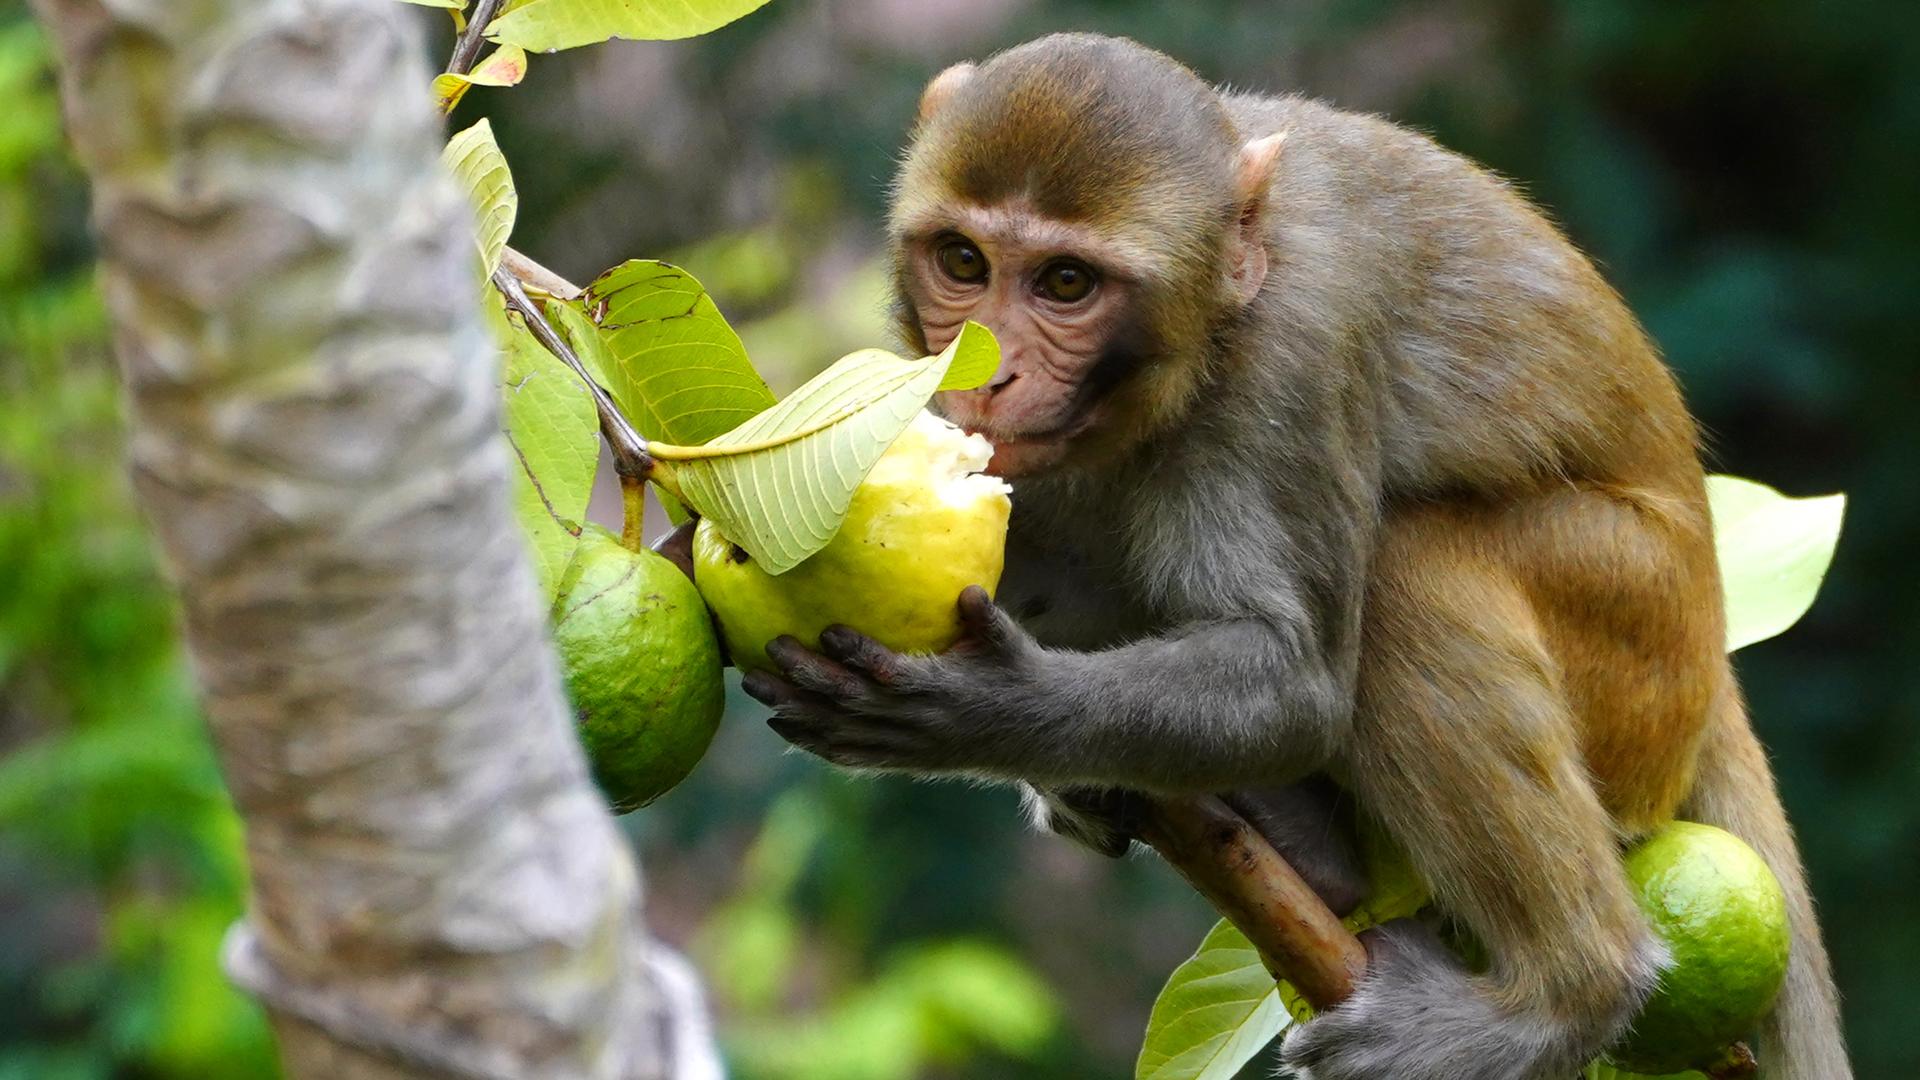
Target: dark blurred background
1745, 171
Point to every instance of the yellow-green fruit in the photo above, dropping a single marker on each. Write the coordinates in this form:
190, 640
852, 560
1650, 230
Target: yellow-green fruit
642, 666
923, 525
1722, 914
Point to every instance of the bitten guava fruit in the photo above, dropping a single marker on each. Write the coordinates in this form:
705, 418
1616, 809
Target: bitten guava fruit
924, 524
642, 667
1723, 916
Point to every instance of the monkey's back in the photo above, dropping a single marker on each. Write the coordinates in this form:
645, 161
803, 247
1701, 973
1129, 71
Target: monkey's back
1517, 403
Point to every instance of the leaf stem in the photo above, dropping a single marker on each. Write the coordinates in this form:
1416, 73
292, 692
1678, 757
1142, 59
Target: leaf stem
630, 456
467, 49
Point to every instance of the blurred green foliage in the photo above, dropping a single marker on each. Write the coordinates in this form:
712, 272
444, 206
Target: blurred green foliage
1744, 171
120, 857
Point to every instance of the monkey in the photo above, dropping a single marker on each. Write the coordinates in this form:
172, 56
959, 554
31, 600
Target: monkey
1336, 468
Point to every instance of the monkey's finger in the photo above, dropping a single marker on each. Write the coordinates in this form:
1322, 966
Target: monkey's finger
835, 743
769, 690
857, 650
988, 625
811, 671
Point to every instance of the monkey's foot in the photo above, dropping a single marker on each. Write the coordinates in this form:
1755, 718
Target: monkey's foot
1420, 1015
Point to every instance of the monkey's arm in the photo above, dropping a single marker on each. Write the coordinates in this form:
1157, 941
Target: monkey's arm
1214, 706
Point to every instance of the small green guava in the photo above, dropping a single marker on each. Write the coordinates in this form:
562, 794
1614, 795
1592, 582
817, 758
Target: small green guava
1721, 912
642, 667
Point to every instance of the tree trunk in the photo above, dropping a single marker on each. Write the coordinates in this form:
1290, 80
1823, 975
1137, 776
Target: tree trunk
437, 887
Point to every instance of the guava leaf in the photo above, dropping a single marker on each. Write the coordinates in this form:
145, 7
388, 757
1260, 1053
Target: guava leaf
553, 431
547, 25
505, 66
652, 336
1219, 1009
779, 484
1774, 552
477, 163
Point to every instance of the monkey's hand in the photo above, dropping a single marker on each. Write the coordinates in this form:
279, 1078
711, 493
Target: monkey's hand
859, 704
1420, 1015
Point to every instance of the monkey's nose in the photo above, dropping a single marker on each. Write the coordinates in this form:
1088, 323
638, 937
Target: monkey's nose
1000, 379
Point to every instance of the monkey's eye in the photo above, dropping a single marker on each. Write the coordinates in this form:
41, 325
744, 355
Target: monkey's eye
1066, 281
962, 261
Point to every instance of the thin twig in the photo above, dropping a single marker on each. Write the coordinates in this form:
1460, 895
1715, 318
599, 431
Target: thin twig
537, 277
467, 49
1298, 937
630, 457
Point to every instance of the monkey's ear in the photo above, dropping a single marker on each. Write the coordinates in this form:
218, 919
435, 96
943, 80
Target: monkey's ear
942, 88
1253, 176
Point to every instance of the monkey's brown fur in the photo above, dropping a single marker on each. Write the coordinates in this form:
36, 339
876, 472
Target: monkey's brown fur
1424, 513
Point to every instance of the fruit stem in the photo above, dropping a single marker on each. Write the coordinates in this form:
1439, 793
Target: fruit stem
1736, 1064
633, 521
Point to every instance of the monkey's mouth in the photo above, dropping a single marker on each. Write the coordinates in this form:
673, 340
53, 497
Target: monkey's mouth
1006, 438
1022, 453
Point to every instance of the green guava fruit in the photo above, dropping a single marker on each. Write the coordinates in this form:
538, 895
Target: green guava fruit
642, 667
922, 526
1721, 912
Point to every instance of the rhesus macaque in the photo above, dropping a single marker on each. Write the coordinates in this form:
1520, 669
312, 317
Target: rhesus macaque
1334, 465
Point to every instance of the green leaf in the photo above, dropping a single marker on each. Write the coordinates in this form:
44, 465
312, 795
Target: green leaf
547, 25
477, 163
652, 336
972, 991
450, 5
779, 484
505, 66
1774, 552
976, 356
1218, 1010
554, 433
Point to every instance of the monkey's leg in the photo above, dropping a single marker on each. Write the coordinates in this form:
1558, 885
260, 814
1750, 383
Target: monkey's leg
1465, 748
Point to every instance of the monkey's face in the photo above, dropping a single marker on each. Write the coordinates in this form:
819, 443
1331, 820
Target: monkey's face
1090, 201
1057, 298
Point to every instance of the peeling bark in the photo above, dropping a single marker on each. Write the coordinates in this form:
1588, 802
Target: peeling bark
437, 888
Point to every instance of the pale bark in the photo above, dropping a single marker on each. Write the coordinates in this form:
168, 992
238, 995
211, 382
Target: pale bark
437, 887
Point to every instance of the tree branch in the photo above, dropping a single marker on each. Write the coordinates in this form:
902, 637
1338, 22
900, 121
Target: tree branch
1238, 871
437, 888
535, 276
630, 457
467, 49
